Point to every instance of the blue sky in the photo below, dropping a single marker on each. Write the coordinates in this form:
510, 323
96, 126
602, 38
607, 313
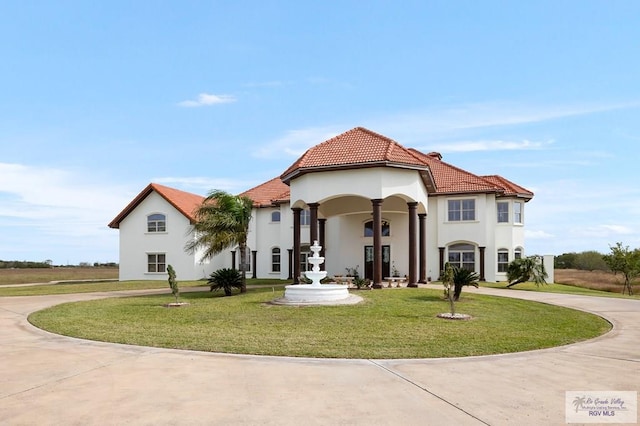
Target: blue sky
100, 98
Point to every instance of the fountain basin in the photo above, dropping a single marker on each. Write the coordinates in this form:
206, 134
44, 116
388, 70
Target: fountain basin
309, 294
316, 293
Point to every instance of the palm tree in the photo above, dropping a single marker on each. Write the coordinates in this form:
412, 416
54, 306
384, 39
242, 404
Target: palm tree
463, 277
226, 279
222, 221
526, 269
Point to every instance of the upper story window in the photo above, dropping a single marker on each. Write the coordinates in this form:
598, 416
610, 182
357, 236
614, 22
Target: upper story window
503, 212
305, 217
368, 229
275, 216
517, 212
517, 253
461, 210
156, 223
503, 260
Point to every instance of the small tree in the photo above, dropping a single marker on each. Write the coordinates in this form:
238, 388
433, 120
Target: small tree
173, 283
226, 279
447, 281
625, 261
526, 269
463, 277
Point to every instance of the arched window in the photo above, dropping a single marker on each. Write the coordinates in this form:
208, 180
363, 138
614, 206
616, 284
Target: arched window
275, 259
368, 229
503, 260
275, 216
517, 253
156, 223
463, 256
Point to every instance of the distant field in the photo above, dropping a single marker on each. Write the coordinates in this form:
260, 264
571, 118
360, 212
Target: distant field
45, 275
596, 280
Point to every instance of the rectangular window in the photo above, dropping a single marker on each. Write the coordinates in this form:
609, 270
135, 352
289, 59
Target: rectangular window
275, 259
305, 217
503, 212
156, 262
304, 264
503, 260
462, 210
517, 212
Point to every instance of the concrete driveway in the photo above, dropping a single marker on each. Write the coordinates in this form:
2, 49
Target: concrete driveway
46, 379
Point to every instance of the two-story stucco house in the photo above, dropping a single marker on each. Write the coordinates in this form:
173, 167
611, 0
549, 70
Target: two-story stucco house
370, 202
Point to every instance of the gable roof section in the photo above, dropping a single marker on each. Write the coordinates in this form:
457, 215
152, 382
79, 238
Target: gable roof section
185, 202
510, 188
358, 147
453, 180
269, 193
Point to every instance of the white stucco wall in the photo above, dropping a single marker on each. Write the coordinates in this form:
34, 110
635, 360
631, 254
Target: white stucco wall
368, 183
136, 243
345, 201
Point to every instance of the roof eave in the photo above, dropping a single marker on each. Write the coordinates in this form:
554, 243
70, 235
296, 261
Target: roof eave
352, 166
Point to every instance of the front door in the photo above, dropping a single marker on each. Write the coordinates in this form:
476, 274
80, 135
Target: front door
368, 261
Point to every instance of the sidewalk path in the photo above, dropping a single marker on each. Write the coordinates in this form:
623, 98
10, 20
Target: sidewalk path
46, 379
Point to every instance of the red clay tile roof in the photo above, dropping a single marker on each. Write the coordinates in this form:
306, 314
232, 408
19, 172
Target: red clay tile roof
453, 180
185, 202
268, 193
509, 187
356, 148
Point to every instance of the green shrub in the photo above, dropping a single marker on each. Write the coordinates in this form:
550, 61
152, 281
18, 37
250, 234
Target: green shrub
226, 279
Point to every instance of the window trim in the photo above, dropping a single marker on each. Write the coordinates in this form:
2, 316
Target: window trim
156, 222
273, 261
501, 213
461, 262
305, 217
518, 253
518, 216
501, 265
156, 263
461, 211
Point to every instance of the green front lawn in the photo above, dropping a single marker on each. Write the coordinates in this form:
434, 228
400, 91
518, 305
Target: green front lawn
390, 323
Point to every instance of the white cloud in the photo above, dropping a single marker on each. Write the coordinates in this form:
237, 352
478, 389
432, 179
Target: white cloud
206, 99
487, 145
538, 234
48, 207
202, 185
295, 142
415, 127
603, 231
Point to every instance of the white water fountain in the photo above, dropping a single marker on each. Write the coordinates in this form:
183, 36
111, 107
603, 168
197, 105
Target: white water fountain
316, 293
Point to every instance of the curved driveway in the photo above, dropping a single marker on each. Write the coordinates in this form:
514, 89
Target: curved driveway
46, 379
